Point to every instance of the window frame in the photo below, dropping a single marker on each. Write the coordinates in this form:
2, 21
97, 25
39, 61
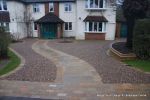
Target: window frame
5, 25
90, 27
36, 8
51, 4
68, 7
67, 25
3, 4
35, 27
88, 4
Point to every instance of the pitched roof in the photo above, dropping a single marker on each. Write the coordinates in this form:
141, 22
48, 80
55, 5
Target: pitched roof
96, 19
42, 1
50, 18
4, 16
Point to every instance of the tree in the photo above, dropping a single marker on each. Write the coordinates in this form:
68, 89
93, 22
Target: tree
133, 10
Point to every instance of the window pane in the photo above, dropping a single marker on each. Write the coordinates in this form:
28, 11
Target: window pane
70, 9
90, 26
66, 26
96, 4
95, 27
4, 5
100, 3
51, 7
66, 6
91, 3
0, 5
70, 25
86, 4
7, 27
100, 27
35, 26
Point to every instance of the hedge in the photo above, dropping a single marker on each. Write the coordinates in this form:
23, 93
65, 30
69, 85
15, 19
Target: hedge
141, 39
4, 43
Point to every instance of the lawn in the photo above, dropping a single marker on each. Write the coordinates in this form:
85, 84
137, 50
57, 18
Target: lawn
143, 65
14, 62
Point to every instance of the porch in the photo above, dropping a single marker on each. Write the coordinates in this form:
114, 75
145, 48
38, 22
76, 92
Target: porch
50, 26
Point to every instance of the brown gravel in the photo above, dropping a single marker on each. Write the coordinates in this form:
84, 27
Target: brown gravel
94, 52
36, 68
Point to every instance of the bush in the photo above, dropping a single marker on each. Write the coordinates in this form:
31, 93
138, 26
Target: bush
141, 39
4, 43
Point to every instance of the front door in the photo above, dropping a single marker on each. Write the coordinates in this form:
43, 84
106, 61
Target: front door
123, 32
48, 31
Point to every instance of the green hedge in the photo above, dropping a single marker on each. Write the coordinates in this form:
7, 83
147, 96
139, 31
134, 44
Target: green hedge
141, 39
4, 43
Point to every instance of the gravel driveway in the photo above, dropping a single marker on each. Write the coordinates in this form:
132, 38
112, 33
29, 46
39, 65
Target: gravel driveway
94, 52
36, 68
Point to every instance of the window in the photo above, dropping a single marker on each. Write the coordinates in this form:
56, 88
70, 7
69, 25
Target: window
3, 5
36, 8
68, 26
95, 4
95, 26
5, 26
35, 26
51, 7
68, 7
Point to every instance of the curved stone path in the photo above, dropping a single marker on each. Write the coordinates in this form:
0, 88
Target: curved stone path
94, 52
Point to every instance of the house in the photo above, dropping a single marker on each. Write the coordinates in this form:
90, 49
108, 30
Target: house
82, 19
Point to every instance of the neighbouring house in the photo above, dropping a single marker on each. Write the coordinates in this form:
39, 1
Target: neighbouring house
121, 25
82, 19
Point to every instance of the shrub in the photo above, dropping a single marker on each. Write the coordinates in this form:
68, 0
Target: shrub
141, 39
4, 43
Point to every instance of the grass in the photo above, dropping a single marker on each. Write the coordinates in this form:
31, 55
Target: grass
143, 65
13, 63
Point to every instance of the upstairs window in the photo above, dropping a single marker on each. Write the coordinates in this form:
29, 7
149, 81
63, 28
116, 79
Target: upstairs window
51, 7
36, 8
68, 7
3, 5
95, 4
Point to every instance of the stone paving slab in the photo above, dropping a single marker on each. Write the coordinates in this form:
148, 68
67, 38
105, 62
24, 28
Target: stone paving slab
20, 98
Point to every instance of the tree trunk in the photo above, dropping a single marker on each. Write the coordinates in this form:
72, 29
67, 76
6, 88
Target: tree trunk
130, 28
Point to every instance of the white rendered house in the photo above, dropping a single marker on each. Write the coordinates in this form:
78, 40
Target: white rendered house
82, 19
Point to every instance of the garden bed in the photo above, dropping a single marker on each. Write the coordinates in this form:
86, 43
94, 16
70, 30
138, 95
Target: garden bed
9, 65
120, 51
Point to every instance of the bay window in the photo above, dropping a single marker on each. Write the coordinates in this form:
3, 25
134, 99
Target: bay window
3, 5
95, 4
95, 27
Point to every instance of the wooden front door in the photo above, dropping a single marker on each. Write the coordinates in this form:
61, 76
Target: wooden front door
49, 31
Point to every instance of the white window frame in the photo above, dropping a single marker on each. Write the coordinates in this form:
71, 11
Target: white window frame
68, 6
51, 5
35, 25
87, 29
68, 28
2, 5
4, 24
88, 6
37, 7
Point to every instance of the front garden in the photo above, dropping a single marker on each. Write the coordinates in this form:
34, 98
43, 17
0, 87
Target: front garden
8, 60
